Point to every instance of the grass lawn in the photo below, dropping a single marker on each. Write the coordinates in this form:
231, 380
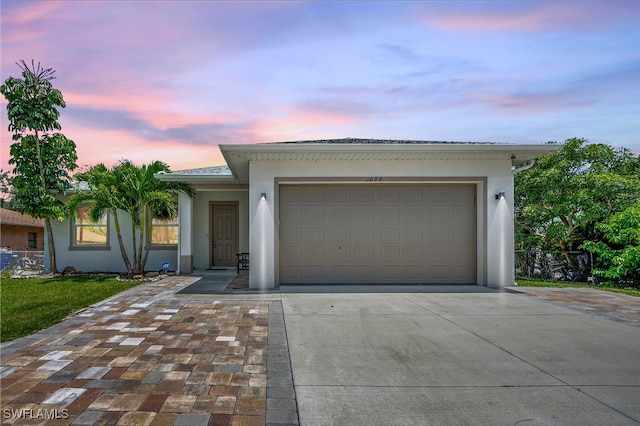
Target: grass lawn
529, 282
31, 304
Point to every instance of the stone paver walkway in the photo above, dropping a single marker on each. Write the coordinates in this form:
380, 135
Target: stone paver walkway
615, 306
144, 358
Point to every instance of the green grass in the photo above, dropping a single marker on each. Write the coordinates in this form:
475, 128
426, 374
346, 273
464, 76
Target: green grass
31, 304
532, 282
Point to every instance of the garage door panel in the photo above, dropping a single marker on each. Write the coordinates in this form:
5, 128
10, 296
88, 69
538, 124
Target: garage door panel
363, 195
313, 234
340, 214
412, 214
363, 234
291, 214
360, 215
436, 195
377, 234
340, 195
362, 253
312, 215
290, 235
389, 195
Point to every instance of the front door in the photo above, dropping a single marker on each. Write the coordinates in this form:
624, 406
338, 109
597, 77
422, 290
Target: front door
224, 234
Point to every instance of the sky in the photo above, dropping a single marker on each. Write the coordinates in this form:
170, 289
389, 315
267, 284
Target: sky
170, 80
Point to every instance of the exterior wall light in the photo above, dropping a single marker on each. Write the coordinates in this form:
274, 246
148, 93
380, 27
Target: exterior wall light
499, 196
263, 196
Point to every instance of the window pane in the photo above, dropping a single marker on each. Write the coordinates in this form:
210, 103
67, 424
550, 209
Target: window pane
33, 240
83, 218
165, 231
89, 232
164, 235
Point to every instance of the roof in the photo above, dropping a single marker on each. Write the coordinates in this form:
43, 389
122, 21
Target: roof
221, 174
351, 149
208, 171
357, 141
10, 217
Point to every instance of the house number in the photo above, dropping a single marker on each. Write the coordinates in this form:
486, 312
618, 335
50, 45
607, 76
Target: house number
374, 179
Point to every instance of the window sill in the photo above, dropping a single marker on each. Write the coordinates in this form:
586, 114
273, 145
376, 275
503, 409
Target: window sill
164, 247
89, 248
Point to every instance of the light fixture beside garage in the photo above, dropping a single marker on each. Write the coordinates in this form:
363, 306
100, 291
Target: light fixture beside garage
499, 196
263, 196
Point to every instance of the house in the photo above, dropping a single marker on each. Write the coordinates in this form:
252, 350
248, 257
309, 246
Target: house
20, 232
340, 211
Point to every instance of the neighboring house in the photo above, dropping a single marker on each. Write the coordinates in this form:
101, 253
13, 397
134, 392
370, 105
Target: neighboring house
339, 211
20, 232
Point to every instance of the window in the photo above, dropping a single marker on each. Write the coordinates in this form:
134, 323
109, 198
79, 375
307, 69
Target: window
33, 240
89, 233
165, 231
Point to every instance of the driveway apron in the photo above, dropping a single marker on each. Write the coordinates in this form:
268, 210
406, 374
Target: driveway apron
456, 355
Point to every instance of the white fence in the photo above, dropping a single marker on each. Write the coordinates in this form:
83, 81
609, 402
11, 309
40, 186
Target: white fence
22, 260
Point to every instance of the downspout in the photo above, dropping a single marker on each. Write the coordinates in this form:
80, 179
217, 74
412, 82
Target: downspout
527, 166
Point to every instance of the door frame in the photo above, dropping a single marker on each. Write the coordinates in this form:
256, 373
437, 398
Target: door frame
236, 231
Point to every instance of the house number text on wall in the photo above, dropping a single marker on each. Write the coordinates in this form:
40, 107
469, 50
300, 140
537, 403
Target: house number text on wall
374, 179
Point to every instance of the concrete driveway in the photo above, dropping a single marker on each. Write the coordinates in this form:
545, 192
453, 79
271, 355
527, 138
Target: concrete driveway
456, 355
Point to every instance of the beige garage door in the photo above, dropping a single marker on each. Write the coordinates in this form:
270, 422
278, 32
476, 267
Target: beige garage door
377, 234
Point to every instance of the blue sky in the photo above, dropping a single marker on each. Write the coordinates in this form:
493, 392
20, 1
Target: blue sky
169, 80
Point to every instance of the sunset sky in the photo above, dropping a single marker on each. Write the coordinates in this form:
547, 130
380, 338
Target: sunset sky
170, 80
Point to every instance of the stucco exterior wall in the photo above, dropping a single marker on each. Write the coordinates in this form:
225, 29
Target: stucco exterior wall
194, 217
495, 242
90, 259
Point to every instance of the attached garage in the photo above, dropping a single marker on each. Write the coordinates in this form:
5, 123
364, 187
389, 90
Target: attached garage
377, 233
342, 211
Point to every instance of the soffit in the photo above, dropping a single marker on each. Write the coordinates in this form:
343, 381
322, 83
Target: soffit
239, 156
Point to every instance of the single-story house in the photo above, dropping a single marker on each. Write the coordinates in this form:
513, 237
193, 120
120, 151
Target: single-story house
20, 232
337, 211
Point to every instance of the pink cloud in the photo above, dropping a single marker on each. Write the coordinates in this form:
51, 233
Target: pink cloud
23, 23
294, 123
524, 17
109, 147
523, 104
29, 12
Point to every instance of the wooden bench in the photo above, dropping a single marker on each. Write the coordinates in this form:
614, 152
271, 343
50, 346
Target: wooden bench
242, 262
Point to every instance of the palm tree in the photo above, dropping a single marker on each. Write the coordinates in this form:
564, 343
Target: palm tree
137, 192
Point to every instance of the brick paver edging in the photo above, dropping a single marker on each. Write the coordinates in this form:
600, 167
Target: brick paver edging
618, 307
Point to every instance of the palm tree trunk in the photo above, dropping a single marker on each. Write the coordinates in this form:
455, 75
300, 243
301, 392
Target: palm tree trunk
135, 245
123, 250
139, 267
147, 243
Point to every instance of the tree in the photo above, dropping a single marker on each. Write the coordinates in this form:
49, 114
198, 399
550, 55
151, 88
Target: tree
138, 193
42, 159
5, 188
619, 251
560, 201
